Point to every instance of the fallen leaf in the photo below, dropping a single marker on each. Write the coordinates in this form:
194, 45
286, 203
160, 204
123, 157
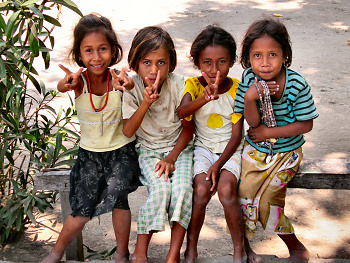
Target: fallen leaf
277, 15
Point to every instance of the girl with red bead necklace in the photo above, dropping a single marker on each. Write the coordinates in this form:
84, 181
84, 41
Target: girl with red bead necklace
106, 169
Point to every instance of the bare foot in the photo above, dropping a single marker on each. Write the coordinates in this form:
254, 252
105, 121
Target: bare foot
122, 258
176, 259
299, 255
52, 258
190, 257
253, 257
139, 259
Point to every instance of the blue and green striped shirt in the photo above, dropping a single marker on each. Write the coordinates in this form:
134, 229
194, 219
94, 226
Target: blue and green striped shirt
295, 104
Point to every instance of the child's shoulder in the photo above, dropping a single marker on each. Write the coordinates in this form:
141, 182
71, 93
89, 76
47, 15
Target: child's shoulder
234, 82
175, 77
248, 75
175, 80
296, 81
292, 74
234, 88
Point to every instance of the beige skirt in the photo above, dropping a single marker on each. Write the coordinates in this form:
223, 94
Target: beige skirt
262, 189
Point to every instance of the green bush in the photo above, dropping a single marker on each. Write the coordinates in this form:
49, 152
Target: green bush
33, 135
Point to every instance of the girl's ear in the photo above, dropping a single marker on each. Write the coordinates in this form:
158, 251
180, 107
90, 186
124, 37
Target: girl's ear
114, 50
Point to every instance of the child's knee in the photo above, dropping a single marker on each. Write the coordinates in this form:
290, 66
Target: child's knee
201, 194
161, 188
227, 195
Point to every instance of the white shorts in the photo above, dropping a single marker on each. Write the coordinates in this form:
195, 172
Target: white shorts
204, 159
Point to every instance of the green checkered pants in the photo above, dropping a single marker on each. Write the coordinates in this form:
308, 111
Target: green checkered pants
167, 200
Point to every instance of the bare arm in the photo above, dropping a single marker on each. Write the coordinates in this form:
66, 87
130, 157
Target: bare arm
188, 107
262, 132
131, 125
150, 95
231, 147
166, 165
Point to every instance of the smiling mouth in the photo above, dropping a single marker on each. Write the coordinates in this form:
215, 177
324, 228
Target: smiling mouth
97, 66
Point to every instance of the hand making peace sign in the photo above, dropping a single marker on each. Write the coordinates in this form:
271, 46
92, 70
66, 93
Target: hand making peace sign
211, 90
150, 93
71, 80
121, 80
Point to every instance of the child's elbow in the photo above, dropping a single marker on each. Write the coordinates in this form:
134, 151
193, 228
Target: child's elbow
127, 133
309, 125
180, 113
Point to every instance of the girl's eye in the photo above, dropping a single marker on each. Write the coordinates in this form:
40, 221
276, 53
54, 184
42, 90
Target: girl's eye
222, 61
103, 48
161, 62
257, 55
146, 62
273, 54
88, 50
206, 62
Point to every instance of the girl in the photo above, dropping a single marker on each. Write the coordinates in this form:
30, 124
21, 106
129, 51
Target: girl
218, 141
106, 169
149, 111
279, 108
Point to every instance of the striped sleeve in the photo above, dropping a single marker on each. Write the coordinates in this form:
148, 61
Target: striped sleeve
304, 107
246, 81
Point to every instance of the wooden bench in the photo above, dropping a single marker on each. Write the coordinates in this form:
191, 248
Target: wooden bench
312, 174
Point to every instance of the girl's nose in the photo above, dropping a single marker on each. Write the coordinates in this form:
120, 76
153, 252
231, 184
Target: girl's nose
265, 61
154, 69
96, 55
214, 68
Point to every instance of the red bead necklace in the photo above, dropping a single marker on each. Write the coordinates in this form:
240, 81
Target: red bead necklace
92, 104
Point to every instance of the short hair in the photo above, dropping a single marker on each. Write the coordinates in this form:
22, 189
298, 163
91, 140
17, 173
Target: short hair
93, 23
149, 39
274, 29
212, 35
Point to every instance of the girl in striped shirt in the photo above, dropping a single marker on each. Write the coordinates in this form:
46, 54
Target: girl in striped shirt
278, 106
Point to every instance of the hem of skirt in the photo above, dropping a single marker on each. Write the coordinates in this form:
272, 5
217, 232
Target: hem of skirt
148, 230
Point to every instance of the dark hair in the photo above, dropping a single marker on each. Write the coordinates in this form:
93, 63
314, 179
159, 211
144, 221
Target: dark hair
274, 29
93, 23
212, 35
149, 39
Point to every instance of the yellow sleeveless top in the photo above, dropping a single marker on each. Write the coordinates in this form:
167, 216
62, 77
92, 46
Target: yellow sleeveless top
101, 131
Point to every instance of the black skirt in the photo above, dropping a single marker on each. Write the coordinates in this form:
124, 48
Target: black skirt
101, 181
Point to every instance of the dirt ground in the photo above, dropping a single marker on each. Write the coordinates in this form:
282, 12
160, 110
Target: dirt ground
319, 33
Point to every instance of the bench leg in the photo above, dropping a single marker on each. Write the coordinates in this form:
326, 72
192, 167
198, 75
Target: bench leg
75, 250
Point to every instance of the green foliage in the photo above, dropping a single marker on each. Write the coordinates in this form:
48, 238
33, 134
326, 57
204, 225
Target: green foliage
33, 135
104, 255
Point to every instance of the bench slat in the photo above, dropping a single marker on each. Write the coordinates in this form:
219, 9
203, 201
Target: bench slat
322, 174
312, 174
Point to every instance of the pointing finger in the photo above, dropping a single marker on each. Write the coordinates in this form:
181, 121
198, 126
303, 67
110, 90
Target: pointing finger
207, 79
122, 73
113, 73
148, 82
80, 70
66, 70
217, 79
156, 83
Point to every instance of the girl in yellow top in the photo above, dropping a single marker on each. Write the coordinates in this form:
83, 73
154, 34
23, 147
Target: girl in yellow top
218, 135
106, 169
